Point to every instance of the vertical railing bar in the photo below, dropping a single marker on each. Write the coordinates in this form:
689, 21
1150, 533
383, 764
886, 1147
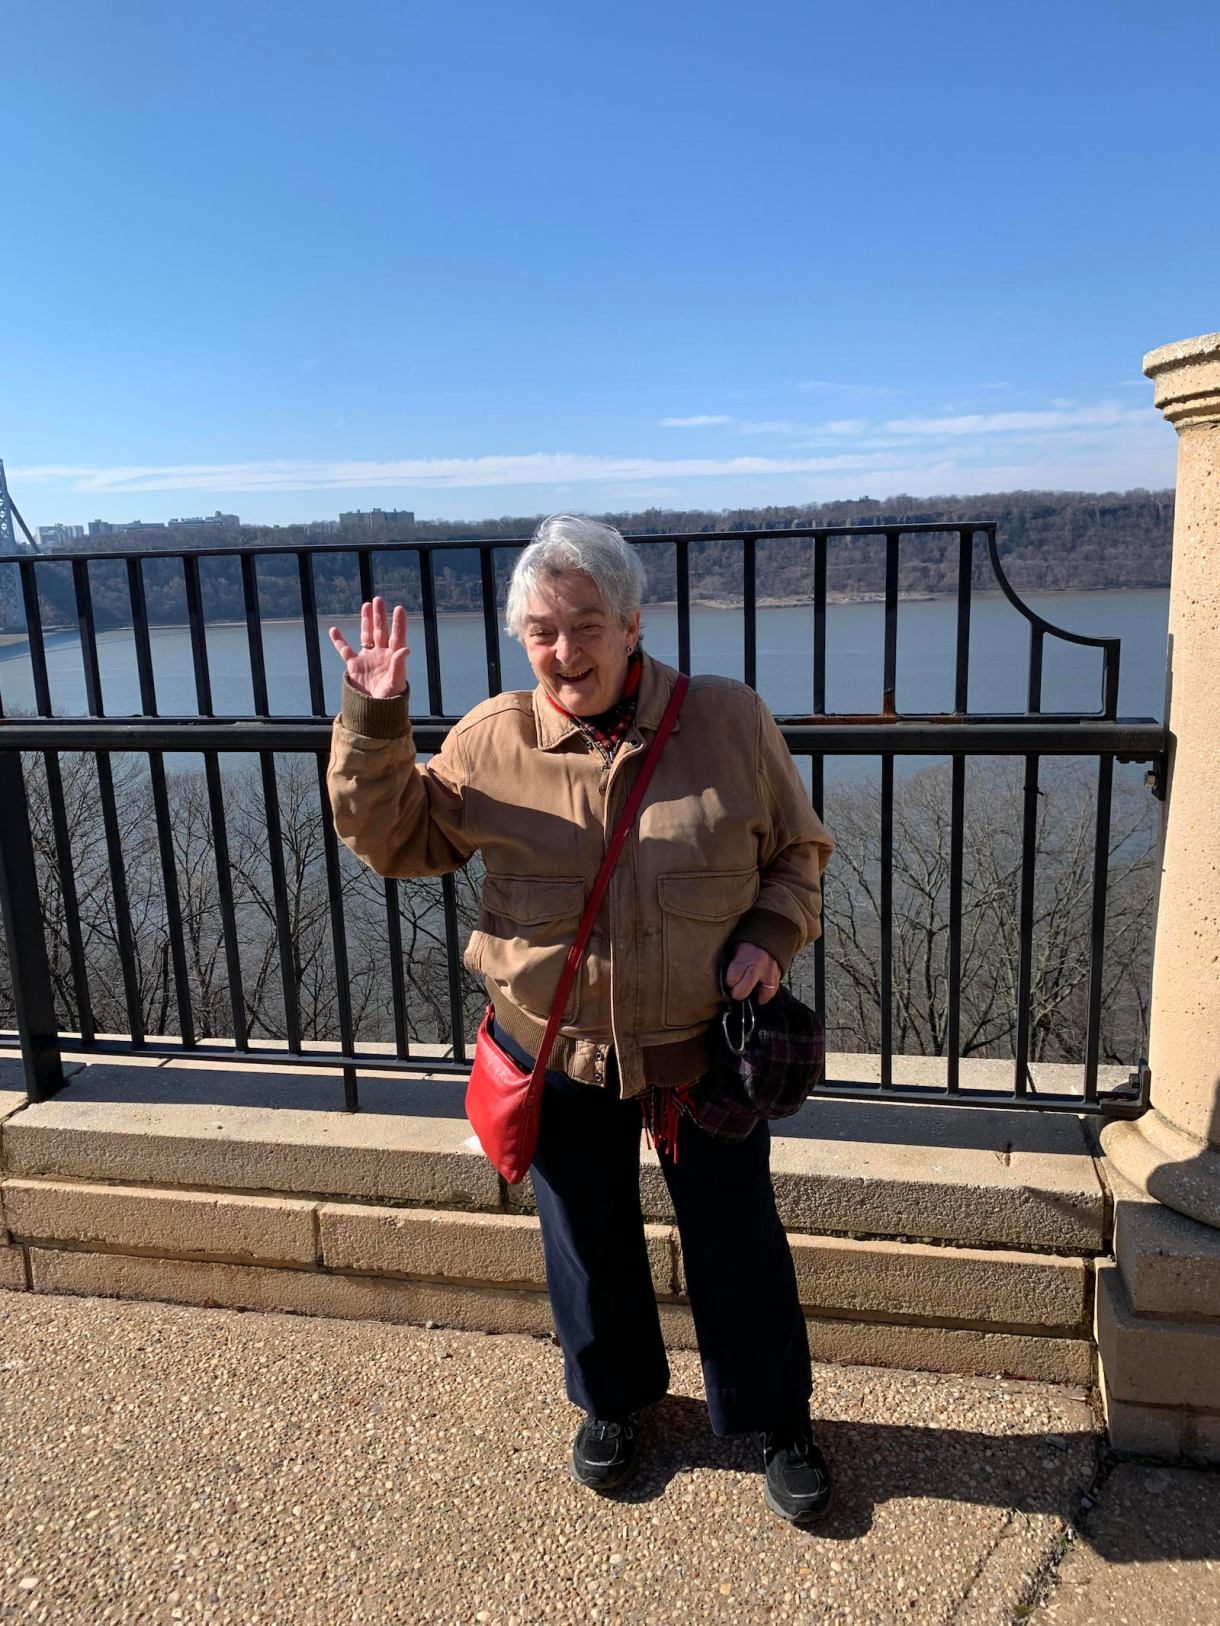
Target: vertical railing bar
88, 637
139, 630
122, 901
817, 791
254, 635
749, 606
279, 888
33, 631
965, 571
67, 886
29, 967
199, 640
1034, 691
887, 921
682, 571
224, 890
1025, 957
338, 936
819, 624
1109, 693
453, 955
309, 615
953, 1030
890, 679
432, 648
173, 904
1097, 938
402, 1043
365, 565
491, 622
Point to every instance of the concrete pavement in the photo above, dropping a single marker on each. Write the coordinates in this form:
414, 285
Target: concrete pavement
169, 1463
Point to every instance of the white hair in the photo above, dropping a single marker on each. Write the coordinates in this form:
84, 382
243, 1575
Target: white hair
566, 542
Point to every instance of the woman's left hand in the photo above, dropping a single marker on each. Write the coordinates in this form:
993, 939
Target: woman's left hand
752, 968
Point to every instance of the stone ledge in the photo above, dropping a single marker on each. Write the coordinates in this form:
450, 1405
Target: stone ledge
276, 1230
939, 1174
1032, 1292
1151, 1362
306, 1292
12, 1267
980, 1178
997, 1290
1170, 1432
472, 1247
951, 1349
236, 1132
1170, 1263
485, 1309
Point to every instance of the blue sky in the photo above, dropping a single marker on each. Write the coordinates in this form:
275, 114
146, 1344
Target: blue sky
476, 258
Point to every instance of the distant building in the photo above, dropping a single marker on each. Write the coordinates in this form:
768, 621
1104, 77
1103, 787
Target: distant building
378, 519
226, 520
55, 536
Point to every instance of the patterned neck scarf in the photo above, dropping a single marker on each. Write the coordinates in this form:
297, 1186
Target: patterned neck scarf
607, 731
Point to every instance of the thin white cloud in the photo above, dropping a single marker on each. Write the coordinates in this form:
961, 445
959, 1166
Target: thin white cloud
845, 389
1107, 414
440, 473
1089, 447
698, 422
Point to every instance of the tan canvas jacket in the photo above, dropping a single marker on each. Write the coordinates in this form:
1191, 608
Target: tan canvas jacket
726, 847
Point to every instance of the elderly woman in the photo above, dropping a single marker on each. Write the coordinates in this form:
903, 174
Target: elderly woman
724, 863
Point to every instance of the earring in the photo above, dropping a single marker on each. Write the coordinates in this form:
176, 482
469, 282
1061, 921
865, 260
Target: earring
630, 649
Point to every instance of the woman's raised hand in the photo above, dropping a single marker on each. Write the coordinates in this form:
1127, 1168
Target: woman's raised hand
379, 667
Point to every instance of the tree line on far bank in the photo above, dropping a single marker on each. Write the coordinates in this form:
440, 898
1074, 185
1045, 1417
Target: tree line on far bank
1046, 540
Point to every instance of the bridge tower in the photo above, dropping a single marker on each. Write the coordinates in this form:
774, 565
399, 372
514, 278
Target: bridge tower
12, 606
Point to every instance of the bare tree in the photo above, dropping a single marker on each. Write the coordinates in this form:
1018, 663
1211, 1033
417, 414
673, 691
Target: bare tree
1062, 856
990, 914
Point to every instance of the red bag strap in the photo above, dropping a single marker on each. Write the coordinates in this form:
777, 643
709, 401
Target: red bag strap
617, 840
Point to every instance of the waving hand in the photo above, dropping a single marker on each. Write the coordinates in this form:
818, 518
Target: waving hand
379, 667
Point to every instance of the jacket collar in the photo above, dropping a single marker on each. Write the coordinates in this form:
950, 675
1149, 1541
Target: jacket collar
657, 681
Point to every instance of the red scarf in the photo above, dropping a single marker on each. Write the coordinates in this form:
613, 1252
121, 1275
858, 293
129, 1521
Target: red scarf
607, 731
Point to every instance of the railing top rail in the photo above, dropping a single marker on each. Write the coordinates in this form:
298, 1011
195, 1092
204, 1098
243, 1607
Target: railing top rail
1135, 739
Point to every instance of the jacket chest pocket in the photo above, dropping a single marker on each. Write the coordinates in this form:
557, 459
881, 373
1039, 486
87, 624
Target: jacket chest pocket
698, 912
527, 927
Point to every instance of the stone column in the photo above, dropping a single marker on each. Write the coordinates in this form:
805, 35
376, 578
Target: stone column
1158, 1309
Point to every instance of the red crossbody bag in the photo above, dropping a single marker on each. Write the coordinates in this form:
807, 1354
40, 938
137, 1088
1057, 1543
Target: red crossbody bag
503, 1102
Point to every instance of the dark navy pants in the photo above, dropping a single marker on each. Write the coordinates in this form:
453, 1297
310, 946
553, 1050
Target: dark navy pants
738, 1266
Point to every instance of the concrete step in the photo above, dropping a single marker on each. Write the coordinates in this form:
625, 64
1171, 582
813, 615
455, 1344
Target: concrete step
979, 1178
883, 1303
955, 1241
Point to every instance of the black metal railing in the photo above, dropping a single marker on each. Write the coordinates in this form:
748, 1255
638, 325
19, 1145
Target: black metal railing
958, 735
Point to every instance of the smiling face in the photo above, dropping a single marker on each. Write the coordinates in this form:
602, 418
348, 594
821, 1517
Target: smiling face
576, 646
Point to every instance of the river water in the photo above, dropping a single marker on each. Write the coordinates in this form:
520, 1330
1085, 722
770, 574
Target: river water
999, 644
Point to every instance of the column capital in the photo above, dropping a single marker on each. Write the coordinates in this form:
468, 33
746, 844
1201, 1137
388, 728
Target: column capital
1187, 380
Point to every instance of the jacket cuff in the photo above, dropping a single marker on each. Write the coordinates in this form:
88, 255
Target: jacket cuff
384, 719
774, 934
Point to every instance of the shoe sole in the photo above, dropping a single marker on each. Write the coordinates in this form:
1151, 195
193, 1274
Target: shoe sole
603, 1487
813, 1516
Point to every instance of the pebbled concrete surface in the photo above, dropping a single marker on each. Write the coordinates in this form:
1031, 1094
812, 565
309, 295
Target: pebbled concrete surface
1149, 1551
180, 1464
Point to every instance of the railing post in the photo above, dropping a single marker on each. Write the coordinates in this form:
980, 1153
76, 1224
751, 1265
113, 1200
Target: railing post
27, 949
1158, 1308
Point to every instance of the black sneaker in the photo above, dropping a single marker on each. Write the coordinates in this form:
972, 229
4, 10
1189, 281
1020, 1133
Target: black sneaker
798, 1480
603, 1453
